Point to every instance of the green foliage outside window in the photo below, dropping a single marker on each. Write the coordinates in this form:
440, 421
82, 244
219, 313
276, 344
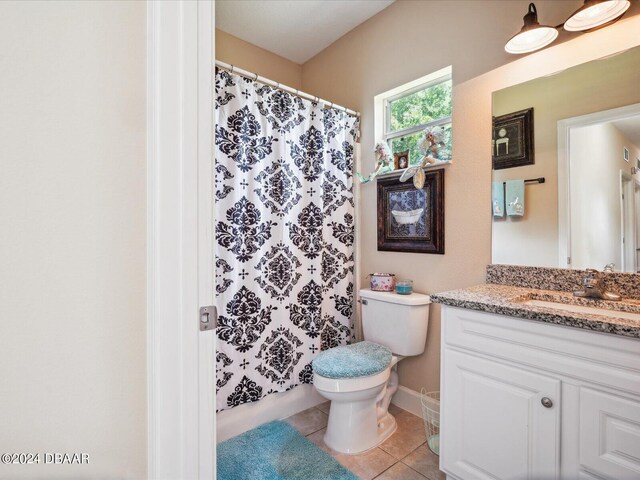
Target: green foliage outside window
421, 107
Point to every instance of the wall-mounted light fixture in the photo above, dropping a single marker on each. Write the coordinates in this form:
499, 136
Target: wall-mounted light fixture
594, 14
532, 36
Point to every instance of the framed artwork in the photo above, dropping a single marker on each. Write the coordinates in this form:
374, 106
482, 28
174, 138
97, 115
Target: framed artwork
411, 219
512, 141
401, 160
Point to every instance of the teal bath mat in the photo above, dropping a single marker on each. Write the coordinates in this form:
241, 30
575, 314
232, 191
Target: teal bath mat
276, 451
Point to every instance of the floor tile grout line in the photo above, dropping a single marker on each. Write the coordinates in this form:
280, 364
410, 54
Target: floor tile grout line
411, 468
315, 431
388, 468
412, 451
404, 463
324, 413
399, 461
403, 457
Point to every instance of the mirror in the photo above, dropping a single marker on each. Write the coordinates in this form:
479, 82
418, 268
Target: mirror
585, 146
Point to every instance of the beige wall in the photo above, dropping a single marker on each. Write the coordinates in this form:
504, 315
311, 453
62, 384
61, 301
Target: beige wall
249, 57
467, 35
592, 87
72, 247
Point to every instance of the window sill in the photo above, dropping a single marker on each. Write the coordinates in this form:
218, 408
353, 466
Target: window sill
399, 172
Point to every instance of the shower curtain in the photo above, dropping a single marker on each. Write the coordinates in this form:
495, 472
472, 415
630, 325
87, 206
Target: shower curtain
284, 236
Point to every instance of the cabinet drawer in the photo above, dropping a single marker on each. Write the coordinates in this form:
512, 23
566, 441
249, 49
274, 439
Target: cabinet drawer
610, 434
595, 357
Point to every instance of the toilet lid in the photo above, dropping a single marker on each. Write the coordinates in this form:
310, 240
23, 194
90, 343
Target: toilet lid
352, 361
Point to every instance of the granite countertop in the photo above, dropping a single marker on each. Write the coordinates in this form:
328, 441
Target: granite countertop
507, 300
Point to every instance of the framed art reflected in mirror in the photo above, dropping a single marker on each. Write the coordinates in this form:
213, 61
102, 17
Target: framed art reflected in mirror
512, 142
410, 219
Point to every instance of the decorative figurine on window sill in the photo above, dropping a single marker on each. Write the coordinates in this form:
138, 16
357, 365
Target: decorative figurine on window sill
382, 155
431, 147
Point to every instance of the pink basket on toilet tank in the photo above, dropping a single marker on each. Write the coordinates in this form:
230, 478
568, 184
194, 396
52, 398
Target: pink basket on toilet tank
382, 282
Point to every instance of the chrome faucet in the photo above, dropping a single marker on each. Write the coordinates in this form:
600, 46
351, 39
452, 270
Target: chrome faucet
593, 288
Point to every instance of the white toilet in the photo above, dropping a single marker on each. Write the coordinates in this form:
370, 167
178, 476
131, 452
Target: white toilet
360, 379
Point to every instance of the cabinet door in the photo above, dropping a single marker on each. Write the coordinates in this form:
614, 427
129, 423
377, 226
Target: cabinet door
494, 425
610, 434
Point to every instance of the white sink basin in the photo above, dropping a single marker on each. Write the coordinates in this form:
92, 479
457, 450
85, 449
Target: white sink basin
583, 309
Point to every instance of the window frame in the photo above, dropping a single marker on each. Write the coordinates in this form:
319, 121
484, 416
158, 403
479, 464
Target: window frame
388, 135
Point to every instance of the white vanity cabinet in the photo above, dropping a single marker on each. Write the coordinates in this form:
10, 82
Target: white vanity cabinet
522, 399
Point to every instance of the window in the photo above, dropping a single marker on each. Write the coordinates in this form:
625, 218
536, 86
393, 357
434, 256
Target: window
402, 114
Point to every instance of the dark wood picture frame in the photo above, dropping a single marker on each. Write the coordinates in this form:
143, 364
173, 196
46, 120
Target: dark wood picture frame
426, 235
512, 140
397, 160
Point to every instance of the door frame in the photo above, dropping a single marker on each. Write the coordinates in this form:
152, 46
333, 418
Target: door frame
564, 170
636, 205
180, 358
628, 228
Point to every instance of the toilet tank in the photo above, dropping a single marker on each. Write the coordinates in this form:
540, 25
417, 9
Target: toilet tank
396, 321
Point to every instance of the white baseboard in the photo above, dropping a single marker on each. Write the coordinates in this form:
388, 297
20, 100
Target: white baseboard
408, 400
277, 406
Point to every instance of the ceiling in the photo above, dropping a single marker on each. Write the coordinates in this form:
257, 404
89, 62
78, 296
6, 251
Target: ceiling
630, 128
284, 26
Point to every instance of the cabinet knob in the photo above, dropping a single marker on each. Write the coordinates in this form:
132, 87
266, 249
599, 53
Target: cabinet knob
546, 402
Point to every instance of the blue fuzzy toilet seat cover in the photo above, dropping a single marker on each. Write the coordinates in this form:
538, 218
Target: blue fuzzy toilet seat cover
352, 361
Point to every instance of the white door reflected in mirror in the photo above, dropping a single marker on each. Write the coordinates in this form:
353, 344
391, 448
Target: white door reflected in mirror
603, 216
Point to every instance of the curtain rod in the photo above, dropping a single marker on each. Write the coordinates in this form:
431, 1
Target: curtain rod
295, 91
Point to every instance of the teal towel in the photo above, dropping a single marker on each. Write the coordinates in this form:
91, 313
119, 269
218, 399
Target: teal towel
276, 451
497, 199
515, 198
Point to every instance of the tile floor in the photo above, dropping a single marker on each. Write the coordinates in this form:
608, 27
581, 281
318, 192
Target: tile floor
403, 456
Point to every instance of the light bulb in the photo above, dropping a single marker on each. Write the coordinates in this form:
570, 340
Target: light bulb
531, 40
596, 13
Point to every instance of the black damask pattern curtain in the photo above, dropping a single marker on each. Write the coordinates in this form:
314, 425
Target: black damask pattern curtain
284, 227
